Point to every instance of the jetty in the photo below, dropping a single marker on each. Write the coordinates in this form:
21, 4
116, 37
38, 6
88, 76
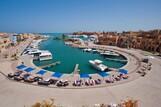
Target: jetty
76, 69
49, 65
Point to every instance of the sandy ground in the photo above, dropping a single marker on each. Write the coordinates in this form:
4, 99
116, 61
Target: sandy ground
145, 89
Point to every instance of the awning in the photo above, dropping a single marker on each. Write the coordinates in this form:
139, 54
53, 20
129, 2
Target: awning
57, 74
29, 69
21, 66
84, 75
124, 71
41, 72
103, 74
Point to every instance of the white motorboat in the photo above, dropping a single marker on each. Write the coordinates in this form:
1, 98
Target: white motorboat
87, 50
95, 51
109, 53
41, 55
33, 51
97, 64
45, 55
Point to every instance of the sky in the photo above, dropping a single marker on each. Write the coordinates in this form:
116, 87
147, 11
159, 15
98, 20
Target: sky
41, 16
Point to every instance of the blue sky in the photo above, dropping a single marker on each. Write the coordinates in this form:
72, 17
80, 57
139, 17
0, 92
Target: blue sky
79, 15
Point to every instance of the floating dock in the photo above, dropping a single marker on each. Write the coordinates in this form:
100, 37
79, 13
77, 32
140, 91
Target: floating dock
76, 69
49, 65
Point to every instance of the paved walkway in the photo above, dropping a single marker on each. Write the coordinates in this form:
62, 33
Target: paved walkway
132, 66
145, 89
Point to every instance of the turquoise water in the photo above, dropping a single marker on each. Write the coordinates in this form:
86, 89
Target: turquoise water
69, 56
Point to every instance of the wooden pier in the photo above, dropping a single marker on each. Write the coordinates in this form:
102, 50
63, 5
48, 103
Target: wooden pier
49, 65
76, 69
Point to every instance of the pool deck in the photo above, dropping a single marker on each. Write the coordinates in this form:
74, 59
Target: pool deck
147, 90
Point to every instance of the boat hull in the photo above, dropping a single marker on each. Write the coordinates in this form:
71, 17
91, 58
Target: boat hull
98, 67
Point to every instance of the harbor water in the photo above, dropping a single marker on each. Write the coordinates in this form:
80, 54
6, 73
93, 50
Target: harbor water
69, 57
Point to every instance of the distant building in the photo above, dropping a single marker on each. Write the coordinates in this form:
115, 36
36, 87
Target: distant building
14, 39
4, 41
145, 40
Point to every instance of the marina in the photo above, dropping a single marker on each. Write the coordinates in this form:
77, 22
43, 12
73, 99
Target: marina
73, 56
39, 76
80, 53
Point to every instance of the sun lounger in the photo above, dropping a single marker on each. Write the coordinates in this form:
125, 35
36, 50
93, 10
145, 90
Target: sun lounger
143, 74
18, 73
42, 82
29, 80
109, 80
10, 75
98, 81
17, 78
77, 83
117, 78
66, 83
139, 71
91, 82
149, 68
87, 83
25, 76
51, 80
125, 76
37, 78
62, 83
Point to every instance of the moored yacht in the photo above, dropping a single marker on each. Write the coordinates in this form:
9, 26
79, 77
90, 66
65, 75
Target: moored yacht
87, 50
97, 64
109, 53
45, 55
95, 51
42, 55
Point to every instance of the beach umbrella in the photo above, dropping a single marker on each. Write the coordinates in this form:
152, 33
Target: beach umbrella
84, 76
103, 74
41, 72
124, 71
57, 74
21, 66
29, 69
